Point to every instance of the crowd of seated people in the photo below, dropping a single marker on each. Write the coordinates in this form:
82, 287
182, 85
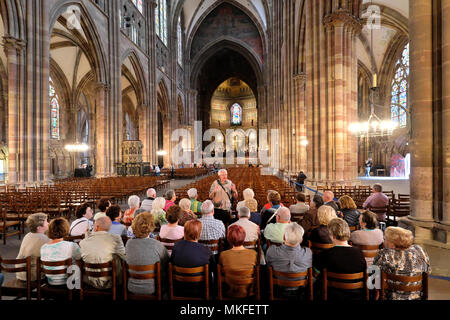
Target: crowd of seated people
286, 244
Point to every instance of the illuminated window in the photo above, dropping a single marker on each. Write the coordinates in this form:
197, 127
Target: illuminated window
236, 114
161, 20
54, 111
180, 42
399, 93
138, 4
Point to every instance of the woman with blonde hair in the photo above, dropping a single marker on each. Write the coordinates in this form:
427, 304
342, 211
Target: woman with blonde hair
247, 194
349, 211
158, 212
255, 216
187, 214
320, 234
401, 257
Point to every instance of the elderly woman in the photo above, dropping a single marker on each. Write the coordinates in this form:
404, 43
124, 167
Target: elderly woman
237, 258
247, 194
186, 214
369, 235
321, 234
102, 205
342, 258
349, 211
115, 213
144, 251
172, 230
158, 212
195, 205
83, 222
133, 203
255, 216
32, 242
274, 199
310, 219
59, 250
401, 257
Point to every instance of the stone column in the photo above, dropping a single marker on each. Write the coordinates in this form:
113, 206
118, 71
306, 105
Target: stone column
14, 53
143, 131
421, 106
445, 9
102, 154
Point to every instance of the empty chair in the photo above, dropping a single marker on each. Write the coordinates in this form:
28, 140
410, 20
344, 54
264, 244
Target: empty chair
16, 288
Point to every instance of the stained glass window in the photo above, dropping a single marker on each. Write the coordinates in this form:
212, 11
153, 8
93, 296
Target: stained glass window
236, 114
138, 4
400, 86
54, 110
180, 42
161, 20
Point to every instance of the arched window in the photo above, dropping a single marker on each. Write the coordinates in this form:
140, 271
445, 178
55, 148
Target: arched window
54, 111
180, 43
138, 4
399, 93
161, 20
236, 114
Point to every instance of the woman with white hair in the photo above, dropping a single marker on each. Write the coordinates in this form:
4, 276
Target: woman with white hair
401, 257
187, 214
158, 212
195, 205
248, 194
320, 234
133, 203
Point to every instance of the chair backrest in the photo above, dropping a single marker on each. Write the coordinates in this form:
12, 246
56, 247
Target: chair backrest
214, 245
290, 280
13, 268
188, 275
270, 243
368, 251
99, 273
381, 212
152, 271
124, 239
405, 280
61, 269
354, 228
359, 282
168, 243
319, 247
73, 238
239, 278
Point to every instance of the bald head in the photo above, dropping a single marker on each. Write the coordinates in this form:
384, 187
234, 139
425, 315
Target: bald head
328, 196
283, 215
102, 224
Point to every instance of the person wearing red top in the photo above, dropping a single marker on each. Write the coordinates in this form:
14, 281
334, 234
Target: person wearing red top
170, 199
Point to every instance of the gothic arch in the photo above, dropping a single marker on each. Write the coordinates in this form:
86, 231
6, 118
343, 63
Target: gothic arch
12, 14
140, 85
163, 99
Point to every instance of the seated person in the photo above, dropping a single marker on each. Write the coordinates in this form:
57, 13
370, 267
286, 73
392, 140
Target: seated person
221, 214
290, 256
172, 230
401, 257
186, 212
328, 199
342, 258
248, 194
195, 205
349, 211
320, 234
310, 219
146, 204
251, 229
275, 231
101, 247
369, 235
32, 242
300, 207
102, 205
115, 213
212, 229
255, 216
376, 200
59, 250
83, 222
269, 209
142, 251
133, 203
237, 258
170, 199
158, 212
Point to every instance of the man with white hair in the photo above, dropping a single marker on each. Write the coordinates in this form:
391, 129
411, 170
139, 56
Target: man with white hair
290, 256
100, 247
195, 205
147, 203
212, 229
251, 229
223, 191
275, 231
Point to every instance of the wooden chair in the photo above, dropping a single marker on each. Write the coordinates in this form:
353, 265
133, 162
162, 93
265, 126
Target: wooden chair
276, 279
270, 243
188, 276
368, 251
360, 284
129, 272
43, 287
248, 277
124, 240
214, 245
6, 224
168, 243
256, 245
405, 280
16, 288
381, 212
354, 228
87, 289
74, 238
319, 247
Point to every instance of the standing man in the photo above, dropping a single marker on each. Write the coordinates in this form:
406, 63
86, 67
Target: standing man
368, 166
223, 191
301, 180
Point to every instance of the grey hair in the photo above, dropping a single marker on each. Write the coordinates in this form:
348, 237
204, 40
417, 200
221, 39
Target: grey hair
169, 194
36, 220
104, 223
222, 171
207, 207
151, 193
293, 234
185, 204
284, 214
138, 211
248, 194
133, 201
158, 204
244, 212
192, 193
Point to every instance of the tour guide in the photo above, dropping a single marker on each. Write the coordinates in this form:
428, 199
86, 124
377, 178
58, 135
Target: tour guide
223, 191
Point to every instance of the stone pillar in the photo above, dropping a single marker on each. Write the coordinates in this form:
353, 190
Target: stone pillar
421, 106
14, 53
102, 155
143, 131
300, 124
445, 10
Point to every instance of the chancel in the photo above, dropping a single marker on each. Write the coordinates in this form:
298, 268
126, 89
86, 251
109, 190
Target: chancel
224, 149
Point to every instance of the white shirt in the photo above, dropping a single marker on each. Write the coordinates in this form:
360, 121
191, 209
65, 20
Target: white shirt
80, 226
251, 229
